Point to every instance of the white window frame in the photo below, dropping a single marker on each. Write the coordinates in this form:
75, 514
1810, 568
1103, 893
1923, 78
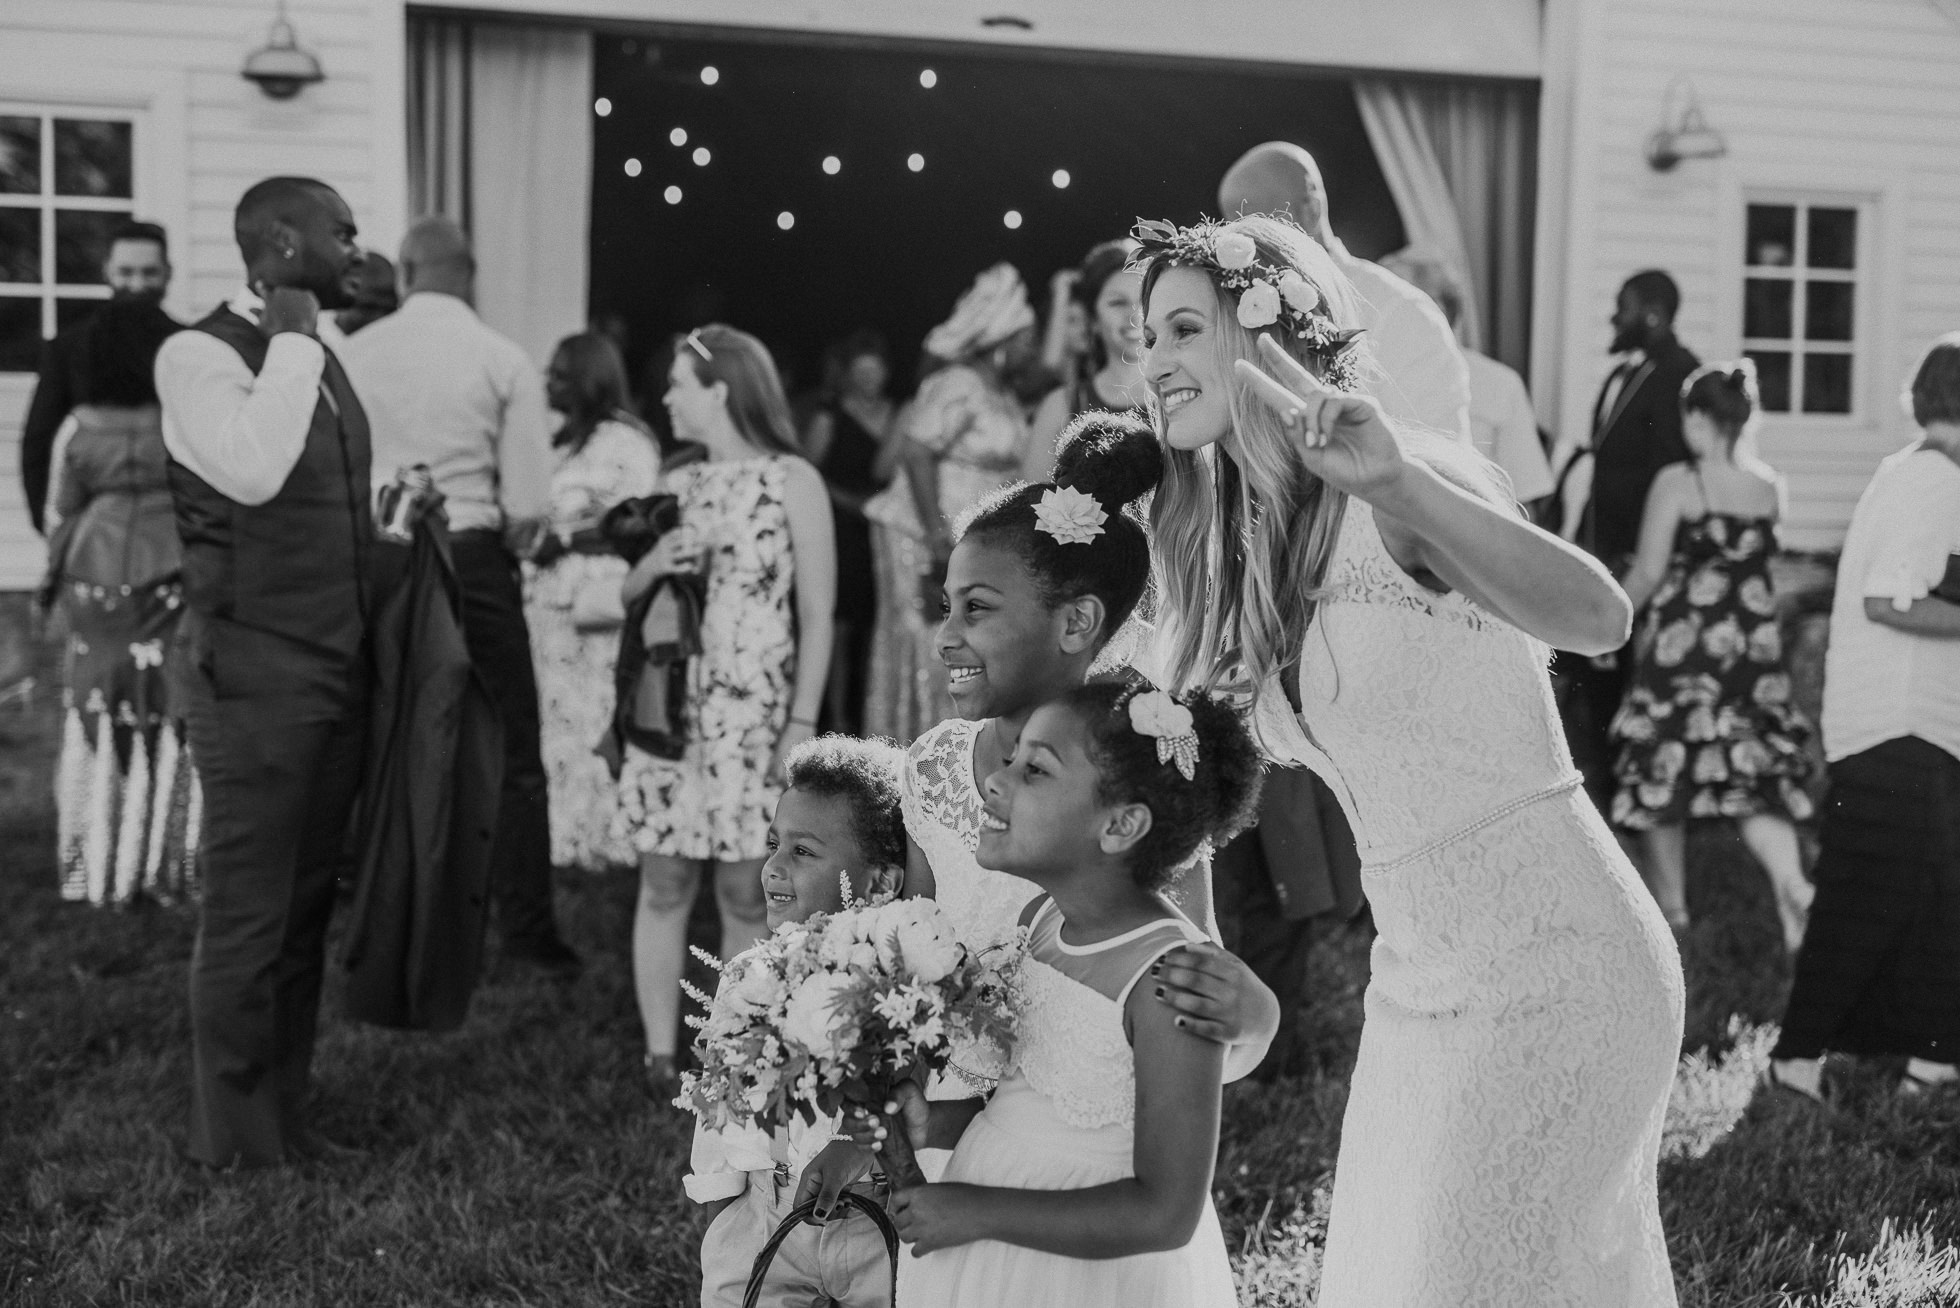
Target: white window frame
1800, 274
49, 290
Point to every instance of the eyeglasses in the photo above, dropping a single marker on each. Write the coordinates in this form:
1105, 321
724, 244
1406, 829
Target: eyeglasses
693, 342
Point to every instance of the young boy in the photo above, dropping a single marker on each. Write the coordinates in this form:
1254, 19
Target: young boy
839, 814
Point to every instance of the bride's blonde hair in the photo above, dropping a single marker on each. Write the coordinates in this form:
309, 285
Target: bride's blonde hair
1244, 533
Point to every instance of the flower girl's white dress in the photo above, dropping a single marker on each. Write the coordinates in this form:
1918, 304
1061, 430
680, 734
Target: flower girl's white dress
1063, 1119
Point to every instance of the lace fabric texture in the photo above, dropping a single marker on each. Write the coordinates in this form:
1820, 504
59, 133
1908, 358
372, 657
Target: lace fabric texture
1524, 1011
941, 803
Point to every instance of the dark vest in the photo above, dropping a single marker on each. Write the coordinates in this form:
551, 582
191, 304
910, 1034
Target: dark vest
295, 566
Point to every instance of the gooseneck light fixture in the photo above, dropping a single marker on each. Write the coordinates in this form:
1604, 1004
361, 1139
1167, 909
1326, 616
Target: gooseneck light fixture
1683, 133
280, 66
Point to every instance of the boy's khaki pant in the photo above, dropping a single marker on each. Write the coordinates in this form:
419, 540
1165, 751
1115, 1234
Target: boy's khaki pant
842, 1262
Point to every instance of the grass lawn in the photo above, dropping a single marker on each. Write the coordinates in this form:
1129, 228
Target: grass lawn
519, 1161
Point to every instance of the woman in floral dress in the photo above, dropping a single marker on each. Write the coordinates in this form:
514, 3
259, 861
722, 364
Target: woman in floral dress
571, 598
1708, 729
755, 521
962, 438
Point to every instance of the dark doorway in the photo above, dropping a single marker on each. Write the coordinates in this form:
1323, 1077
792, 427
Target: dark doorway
878, 244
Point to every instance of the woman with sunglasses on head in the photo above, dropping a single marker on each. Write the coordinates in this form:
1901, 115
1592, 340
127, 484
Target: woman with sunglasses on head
1390, 614
755, 525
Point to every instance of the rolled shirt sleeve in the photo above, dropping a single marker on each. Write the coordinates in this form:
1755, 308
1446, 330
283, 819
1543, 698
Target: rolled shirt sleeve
1909, 560
240, 433
524, 447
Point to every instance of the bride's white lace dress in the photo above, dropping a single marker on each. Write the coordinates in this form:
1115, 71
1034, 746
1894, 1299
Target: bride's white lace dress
1524, 1013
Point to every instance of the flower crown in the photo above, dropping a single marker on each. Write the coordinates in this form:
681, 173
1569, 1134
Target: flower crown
1267, 294
1154, 713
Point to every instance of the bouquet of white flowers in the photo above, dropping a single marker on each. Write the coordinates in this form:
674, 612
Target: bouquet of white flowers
833, 1012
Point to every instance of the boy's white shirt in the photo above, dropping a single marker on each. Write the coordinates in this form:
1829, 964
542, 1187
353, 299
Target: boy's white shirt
721, 1159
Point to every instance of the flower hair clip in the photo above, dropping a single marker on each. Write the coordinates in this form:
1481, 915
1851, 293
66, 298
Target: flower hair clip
1071, 516
1154, 713
1267, 294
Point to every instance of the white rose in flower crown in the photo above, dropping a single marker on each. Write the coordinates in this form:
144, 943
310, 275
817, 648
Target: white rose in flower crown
1234, 250
1259, 306
1298, 292
812, 1018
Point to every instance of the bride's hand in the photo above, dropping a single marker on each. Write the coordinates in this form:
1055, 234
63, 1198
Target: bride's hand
1344, 439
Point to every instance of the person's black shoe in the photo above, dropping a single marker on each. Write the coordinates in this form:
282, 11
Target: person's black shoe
549, 955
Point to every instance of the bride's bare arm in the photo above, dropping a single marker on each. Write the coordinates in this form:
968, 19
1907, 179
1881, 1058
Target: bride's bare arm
1531, 578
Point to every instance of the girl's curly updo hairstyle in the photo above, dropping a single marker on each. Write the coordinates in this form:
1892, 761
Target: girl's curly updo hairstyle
1220, 800
1113, 458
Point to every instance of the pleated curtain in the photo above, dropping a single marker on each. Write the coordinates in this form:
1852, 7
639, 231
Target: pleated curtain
1461, 160
500, 140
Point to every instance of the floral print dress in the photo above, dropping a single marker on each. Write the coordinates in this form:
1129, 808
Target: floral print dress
715, 801
574, 661
1708, 728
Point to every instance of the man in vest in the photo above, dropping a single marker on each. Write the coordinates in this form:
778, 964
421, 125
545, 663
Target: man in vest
269, 469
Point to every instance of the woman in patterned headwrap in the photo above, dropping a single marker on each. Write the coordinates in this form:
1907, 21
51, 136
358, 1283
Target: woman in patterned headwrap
963, 437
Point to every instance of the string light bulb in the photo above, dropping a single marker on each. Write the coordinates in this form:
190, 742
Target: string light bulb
602, 107
710, 75
915, 162
672, 195
785, 220
1060, 179
701, 156
632, 167
678, 136
832, 164
928, 78
1011, 219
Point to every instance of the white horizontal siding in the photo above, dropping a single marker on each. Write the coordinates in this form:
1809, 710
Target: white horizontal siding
1811, 95
222, 135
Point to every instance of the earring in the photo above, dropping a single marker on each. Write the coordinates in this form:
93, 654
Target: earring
287, 253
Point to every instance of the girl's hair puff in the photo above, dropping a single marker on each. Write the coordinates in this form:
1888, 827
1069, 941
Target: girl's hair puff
1186, 817
1113, 458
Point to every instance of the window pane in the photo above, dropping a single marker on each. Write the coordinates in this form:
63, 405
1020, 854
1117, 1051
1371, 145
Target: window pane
20, 245
1766, 308
1827, 311
1827, 383
1833, 238
1772, 241
81, 243
91, 157
69, 312
1773, 379
20, 333
20, 156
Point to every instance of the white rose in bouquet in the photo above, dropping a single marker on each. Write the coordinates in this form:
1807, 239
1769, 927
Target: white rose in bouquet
928, 947
757, 989
814, 1018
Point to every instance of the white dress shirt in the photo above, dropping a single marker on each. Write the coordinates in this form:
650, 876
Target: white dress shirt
441, 388
240, 433
1503, 427
1423, 378
1881, 683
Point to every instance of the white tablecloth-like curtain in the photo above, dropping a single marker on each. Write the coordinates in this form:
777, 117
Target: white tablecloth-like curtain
500, 139
1461, 161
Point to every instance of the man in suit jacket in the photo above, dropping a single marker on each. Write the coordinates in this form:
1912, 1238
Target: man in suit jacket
269, 471
137, 268
1636, 431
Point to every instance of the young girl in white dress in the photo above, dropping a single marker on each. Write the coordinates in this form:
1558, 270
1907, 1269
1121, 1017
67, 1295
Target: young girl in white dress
1086, 1180
1391, 614
1043, 576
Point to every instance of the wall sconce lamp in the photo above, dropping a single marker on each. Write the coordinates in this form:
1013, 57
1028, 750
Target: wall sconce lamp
1683, 133
280, 67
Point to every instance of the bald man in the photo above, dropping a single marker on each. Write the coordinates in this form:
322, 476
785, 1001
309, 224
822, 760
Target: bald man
269, 475
1424, 378
442, 389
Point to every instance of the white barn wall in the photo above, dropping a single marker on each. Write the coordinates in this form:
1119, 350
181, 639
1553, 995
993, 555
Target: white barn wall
203, 135
1856, 97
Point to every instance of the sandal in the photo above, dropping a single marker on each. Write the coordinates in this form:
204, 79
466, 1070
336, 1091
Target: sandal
663, 1078
1773, 1082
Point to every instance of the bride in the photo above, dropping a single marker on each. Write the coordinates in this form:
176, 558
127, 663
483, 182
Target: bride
1377, 593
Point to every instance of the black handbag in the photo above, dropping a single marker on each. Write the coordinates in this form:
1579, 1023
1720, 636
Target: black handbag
849, 1199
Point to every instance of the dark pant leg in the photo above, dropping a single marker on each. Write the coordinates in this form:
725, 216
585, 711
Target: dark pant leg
500, 649
278, 751
1253, 924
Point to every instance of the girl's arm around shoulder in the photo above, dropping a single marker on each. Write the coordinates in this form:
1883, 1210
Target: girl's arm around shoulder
1157, 1209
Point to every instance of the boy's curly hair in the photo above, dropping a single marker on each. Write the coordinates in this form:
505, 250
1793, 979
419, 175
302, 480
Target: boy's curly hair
865, 775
